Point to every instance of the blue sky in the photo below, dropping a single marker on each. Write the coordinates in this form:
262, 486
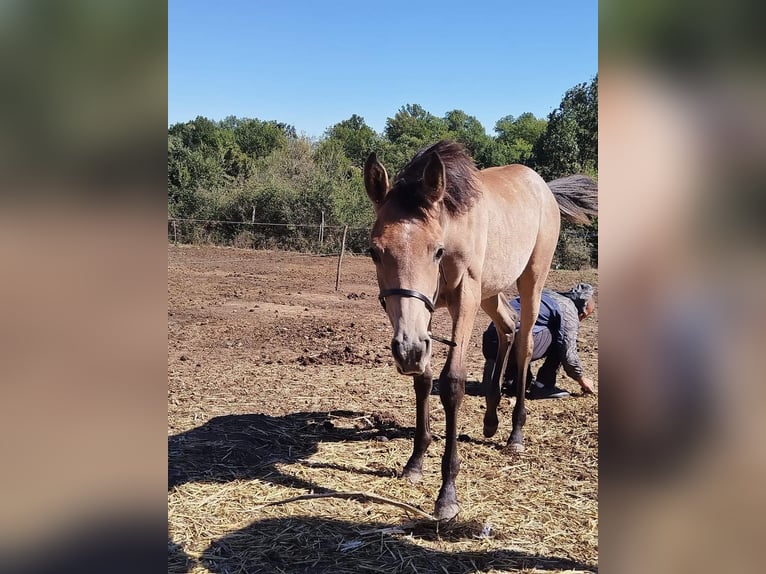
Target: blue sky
315, 63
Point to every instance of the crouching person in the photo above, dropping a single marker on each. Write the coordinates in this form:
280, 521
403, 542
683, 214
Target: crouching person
555, 341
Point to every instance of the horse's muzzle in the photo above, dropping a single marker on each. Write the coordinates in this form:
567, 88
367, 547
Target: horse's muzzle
411, 356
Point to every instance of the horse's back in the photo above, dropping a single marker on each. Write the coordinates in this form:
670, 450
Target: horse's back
520, 211
514, 181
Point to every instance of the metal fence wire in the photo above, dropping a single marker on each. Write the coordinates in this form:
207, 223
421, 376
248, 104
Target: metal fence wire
577, 247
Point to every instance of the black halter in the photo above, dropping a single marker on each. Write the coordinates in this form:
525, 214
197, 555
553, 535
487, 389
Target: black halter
429, 303
406, 293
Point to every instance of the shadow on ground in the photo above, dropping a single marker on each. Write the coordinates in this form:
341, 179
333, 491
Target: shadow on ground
313, 545
250, 446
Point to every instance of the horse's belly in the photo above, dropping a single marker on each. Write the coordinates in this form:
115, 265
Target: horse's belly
495, 280
507, 255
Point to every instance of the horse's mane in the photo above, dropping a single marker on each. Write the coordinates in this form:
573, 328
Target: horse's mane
462, 187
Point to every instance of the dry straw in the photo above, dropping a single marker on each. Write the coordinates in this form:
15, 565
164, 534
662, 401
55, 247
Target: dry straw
267, 475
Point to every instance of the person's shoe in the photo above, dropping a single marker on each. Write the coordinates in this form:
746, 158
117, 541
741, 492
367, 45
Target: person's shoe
544, 392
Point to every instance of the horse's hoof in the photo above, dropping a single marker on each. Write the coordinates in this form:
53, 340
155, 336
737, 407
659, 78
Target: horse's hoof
490, 426
446, 509
413, 475
514, 448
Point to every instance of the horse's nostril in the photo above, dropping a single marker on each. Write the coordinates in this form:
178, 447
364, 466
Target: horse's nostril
396, 350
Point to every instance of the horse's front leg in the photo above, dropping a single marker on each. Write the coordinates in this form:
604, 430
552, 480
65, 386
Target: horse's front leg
413, 470
451, 392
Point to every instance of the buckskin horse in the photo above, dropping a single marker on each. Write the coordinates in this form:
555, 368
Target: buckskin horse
449, 235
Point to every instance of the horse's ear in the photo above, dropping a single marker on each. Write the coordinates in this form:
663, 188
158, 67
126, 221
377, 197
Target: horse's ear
375, 180
434, 178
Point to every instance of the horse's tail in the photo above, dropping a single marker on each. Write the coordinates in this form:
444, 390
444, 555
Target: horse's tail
577, 196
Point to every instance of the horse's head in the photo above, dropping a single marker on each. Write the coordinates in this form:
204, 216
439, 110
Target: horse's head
406, 245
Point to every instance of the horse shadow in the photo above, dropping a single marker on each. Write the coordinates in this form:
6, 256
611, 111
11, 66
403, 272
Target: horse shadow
251, 446
313, 545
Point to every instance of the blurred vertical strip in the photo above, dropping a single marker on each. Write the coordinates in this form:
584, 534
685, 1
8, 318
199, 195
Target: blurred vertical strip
85, 92
83, 120
682, 179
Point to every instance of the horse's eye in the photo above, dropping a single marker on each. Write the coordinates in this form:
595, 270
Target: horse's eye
439, 254
372, 254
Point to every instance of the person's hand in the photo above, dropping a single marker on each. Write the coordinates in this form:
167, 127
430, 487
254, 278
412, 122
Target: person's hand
587, 386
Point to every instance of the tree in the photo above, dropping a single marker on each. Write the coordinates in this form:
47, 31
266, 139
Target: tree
526, 127
587, 120
355, 137
415, 123
517, 137
225, 170
469, 132
411, 129
570, 142
558, 153
258, 139
196, 153
237, 164
202, 134
342, 181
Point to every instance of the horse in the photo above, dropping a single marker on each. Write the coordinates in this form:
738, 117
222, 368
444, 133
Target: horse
447, 234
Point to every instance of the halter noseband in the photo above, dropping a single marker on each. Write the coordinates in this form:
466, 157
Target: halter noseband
406, 293
430, 304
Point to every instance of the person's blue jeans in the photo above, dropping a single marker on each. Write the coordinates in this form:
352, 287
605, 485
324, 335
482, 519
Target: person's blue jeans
542, 348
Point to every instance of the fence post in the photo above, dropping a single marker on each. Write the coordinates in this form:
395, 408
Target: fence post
321, 230
340, 257
175, 233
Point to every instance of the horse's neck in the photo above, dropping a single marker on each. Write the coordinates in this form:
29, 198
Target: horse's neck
457, 230
465, 238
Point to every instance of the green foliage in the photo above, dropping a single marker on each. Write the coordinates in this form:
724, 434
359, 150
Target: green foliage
342, 181
525, 127
412, 121
355, 137
258, 139
239, 168
570, 142
558, 153
411, 129
516, 137
575, 247
469, 132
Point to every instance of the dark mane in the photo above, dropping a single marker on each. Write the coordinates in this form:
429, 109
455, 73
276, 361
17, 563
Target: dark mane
462, 184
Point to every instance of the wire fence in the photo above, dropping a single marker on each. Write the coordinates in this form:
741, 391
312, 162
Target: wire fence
577, 247
303, 237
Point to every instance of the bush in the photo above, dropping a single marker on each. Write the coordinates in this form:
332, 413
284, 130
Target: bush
244, 240
573, 250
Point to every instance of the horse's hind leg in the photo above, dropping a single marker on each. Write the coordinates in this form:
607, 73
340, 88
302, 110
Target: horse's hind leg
413, 470
530, 285
505, 325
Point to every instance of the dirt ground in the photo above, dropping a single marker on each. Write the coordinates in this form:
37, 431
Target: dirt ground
279, 386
